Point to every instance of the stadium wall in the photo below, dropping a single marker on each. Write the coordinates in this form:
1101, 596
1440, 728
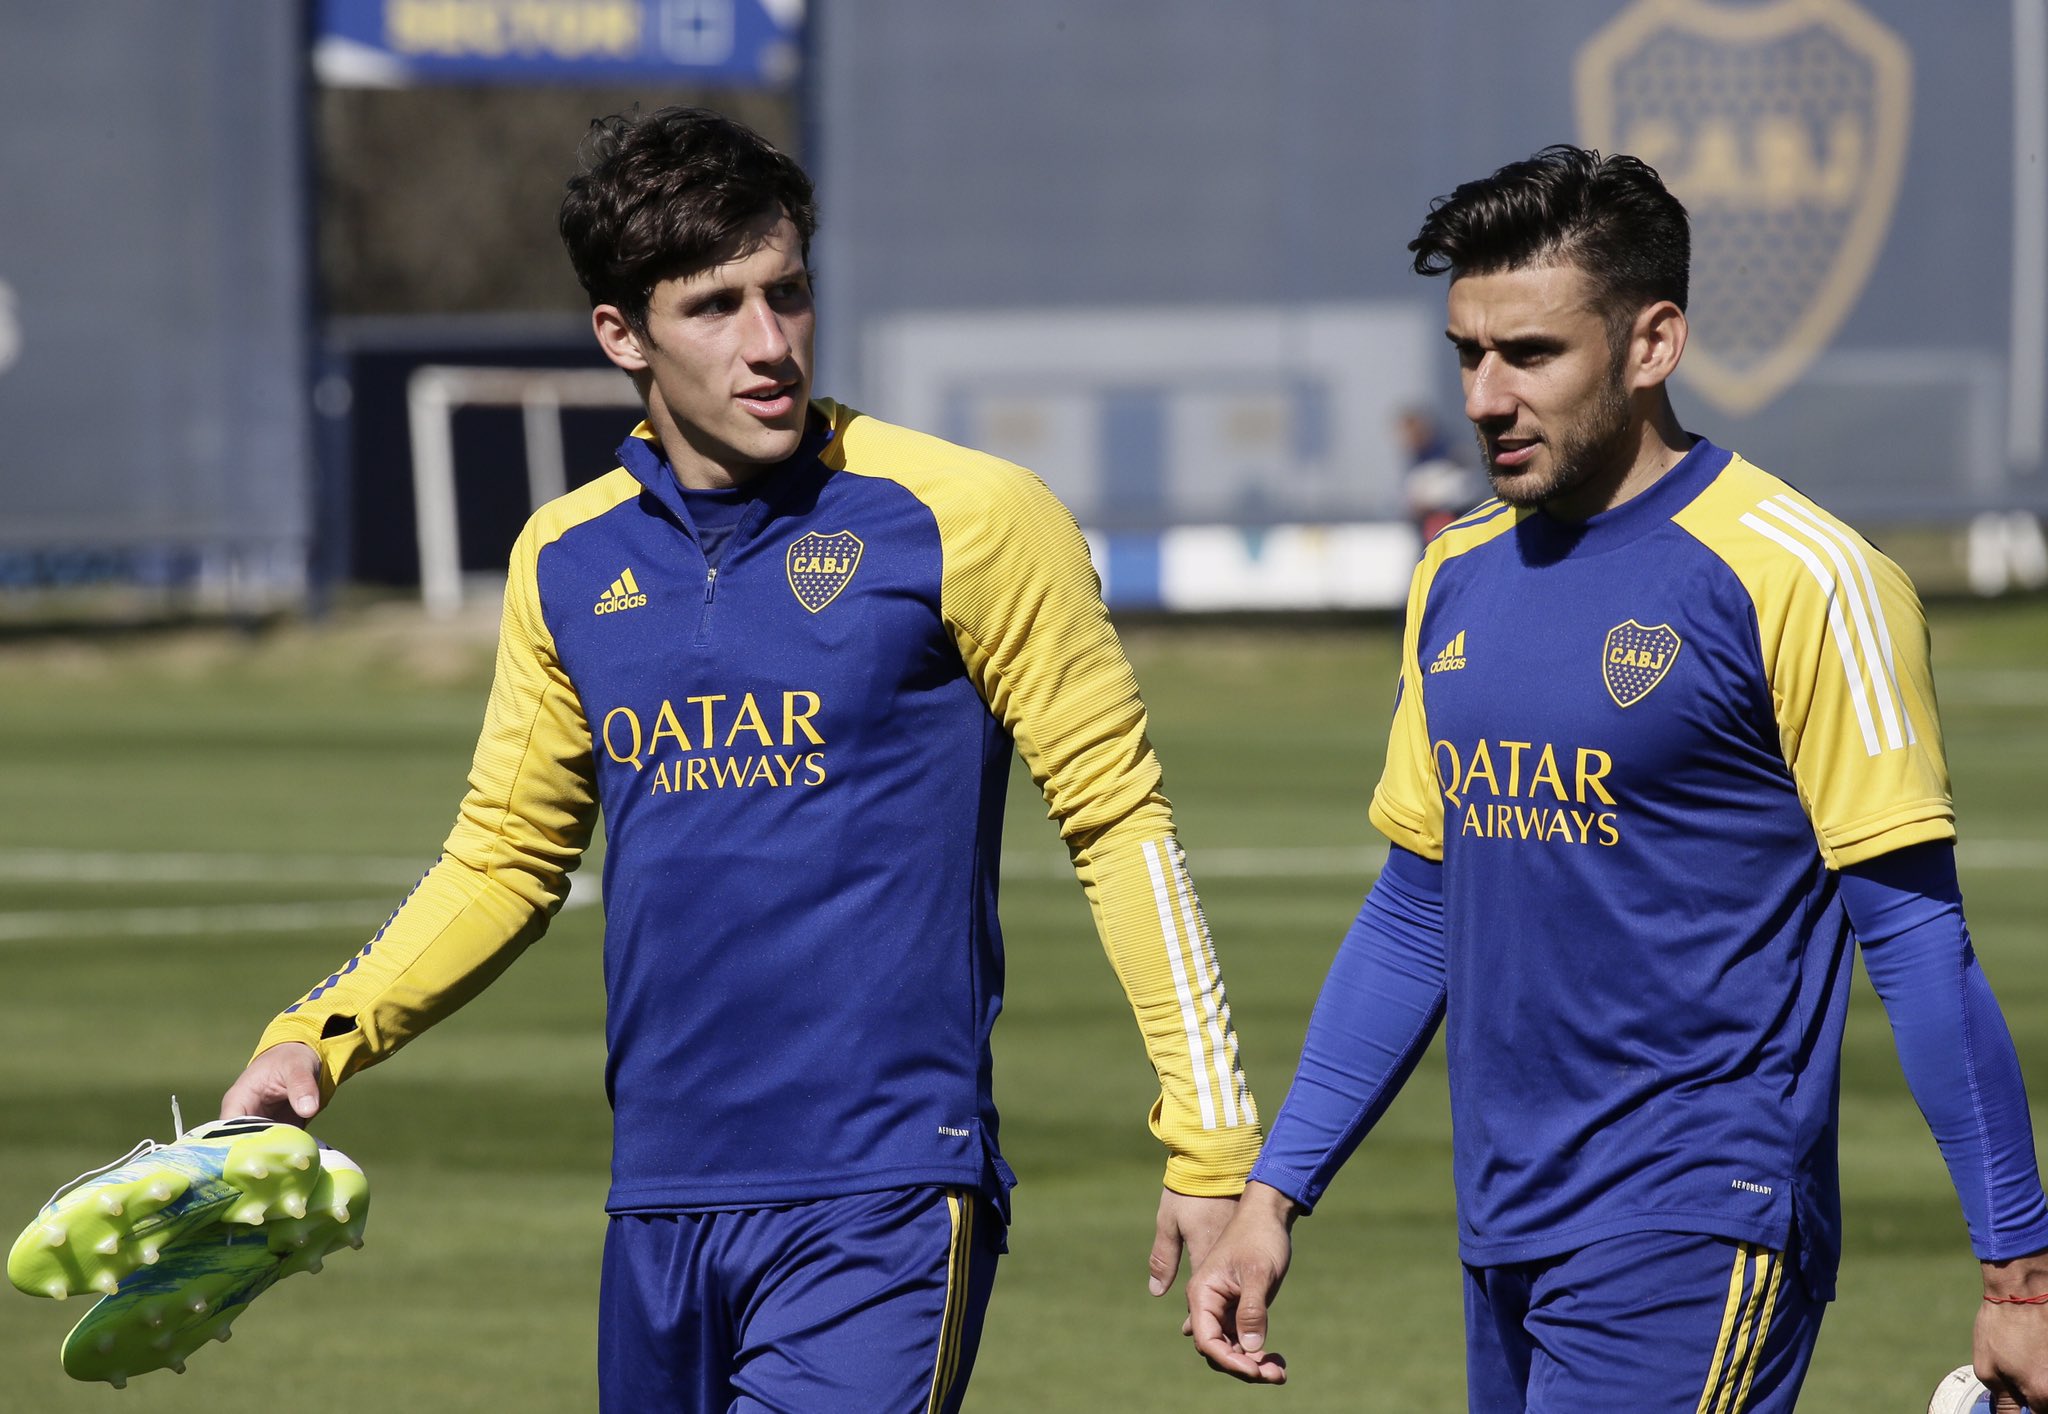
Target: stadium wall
1113, 242
154, 298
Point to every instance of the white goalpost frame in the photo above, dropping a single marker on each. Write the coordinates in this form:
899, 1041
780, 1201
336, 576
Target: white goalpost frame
433, 392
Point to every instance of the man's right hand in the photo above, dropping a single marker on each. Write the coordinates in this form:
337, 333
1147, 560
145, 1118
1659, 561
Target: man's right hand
2010, 1349
282, 1083
1237, 1281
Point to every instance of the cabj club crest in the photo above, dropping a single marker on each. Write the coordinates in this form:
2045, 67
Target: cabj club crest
820, 566
1635, 659
1782, 127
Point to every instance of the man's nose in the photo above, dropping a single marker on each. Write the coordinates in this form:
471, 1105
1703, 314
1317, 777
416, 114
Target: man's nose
767, 341
1487, 395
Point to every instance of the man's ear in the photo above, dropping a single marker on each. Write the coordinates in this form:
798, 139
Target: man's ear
1656, 343
622, 343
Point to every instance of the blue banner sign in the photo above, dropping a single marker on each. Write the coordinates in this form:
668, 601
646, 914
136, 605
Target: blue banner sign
400, 43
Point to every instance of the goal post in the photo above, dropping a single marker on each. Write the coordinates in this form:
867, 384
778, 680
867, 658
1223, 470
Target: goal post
434, 393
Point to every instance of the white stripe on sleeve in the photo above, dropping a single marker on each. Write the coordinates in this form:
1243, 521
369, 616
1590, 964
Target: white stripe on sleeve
1879, 650
1215, 1011
1839, 631
1162, 899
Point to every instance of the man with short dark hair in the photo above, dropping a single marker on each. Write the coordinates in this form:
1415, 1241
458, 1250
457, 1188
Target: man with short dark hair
1665, 746
786, 649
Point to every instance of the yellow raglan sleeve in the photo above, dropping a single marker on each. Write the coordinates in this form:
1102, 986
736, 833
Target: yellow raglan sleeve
1854, 694
1844, 644
503, 872
1407, 806
1022, 600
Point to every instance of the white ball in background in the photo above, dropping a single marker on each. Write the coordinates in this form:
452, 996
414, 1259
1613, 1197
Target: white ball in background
1960, 1393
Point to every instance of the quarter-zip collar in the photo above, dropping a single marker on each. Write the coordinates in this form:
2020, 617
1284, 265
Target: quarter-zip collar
641, 455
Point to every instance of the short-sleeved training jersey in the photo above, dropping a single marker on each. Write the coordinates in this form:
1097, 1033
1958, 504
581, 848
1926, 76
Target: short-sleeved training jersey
1639, 745
801, 758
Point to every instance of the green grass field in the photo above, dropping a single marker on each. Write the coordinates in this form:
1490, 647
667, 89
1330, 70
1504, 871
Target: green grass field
194, 829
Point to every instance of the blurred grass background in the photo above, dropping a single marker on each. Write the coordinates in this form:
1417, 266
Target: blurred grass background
161, 793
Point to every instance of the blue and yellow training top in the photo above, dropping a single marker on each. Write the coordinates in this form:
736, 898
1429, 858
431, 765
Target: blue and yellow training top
800, 754
1643, 746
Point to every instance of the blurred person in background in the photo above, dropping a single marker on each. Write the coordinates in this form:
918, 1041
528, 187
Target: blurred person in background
786, 650
1665, 748
1438, 487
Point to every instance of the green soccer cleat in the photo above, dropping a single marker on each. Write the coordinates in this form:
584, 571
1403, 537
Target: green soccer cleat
105, 1225
162, 1313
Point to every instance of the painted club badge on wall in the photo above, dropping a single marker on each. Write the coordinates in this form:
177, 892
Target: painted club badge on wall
1635, 659
819, 566
1782, 126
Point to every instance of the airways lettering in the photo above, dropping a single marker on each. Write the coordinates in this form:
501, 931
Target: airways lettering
737, 772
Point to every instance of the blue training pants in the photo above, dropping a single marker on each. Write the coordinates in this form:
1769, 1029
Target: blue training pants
870, 1302
1650, 1322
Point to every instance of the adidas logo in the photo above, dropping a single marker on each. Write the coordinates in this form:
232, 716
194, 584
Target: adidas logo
624, 594
1452, 657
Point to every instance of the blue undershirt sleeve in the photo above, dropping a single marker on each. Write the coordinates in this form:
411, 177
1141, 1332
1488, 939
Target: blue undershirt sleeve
1952, 1041
1378, 1008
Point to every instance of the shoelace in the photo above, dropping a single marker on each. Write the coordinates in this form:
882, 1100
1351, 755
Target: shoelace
142, 1150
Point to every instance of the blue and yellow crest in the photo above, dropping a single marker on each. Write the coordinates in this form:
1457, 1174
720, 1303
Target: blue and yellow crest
1782, 127
820, 565
1635, 659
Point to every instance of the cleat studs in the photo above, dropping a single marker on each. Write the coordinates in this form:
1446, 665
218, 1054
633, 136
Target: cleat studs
160, 1191
315, 1262
250, 1214
110, 1205
56, 1288
107, 1246
150, 1254
222, 1334
256, 1171
294, 1206
177, 1367
106, 1283
118, 1381
355, 1241
301, 1162
197, 1305
53, 1235
339, 1212
163, 1342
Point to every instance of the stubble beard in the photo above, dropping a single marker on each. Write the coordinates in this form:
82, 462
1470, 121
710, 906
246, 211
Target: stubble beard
1594, 447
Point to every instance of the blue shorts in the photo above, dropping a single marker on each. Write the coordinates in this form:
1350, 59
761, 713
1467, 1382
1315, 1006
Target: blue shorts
1651, 1322
872, 1301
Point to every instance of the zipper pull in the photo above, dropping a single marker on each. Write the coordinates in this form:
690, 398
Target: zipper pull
710, 582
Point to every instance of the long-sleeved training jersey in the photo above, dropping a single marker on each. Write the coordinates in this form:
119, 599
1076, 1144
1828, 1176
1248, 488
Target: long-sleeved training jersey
1642, 746
800, 754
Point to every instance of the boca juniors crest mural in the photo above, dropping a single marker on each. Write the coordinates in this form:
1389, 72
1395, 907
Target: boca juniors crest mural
1782, 126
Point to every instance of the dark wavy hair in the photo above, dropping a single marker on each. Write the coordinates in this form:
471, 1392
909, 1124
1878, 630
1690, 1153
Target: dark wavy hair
670, 193
1608, 216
